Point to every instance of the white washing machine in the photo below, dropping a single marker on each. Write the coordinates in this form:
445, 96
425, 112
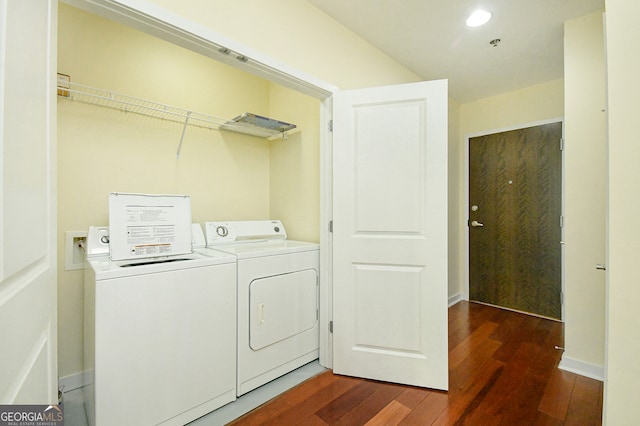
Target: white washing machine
160, 336
277, 298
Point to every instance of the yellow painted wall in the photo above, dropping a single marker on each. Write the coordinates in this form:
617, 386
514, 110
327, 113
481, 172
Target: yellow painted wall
100, 150
303, 37
536, 103
509, 110
579, 97
299, 35
623, 334
456, 237
295, 165
585, 195
228, 176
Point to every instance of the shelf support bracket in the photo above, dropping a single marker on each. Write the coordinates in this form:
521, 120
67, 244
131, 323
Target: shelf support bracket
184, 129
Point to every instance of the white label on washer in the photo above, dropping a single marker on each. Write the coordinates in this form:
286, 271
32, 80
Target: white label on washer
149, 225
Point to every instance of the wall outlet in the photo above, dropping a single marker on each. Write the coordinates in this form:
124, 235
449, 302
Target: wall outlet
73, 251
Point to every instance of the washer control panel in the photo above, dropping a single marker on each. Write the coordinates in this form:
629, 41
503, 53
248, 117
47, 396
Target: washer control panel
97, 241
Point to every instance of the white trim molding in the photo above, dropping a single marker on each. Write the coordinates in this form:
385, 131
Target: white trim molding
74, 381
582, 368
455, 299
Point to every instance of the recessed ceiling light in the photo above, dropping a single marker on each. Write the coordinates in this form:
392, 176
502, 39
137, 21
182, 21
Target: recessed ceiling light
477, 18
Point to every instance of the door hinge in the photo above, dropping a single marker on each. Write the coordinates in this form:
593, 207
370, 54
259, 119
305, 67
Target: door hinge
330, 226
331, 125
330, 326
561, 298
561, 221
561, 144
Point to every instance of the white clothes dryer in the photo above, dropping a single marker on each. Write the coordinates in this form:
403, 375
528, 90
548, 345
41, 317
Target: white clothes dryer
277, 298
160, 335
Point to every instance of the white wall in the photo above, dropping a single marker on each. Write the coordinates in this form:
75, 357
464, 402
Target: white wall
585, 183
623, 333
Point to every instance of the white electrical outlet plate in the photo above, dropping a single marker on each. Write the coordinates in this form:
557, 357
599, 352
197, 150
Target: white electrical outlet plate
73, 253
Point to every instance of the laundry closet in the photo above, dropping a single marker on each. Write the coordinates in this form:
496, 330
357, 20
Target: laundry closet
228, 175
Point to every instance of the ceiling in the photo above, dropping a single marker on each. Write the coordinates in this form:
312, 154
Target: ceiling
430, 38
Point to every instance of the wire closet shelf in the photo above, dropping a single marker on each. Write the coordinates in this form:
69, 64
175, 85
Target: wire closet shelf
246, 123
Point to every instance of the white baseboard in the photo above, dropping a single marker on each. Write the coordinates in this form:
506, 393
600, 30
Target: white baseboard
582, 368
74, 381
455, 299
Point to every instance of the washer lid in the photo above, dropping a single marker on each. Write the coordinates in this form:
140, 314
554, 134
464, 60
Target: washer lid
105, 268
267, 248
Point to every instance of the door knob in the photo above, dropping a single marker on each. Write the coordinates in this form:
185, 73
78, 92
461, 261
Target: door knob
476, 224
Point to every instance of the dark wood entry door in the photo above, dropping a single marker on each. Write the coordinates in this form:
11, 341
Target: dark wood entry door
515, 184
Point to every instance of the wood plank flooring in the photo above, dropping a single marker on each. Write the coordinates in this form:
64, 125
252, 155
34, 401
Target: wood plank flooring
502, 371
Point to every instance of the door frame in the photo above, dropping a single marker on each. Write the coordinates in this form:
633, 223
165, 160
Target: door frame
465, 207
165, 25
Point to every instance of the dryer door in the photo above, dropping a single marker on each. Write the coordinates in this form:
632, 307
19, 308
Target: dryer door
282, 306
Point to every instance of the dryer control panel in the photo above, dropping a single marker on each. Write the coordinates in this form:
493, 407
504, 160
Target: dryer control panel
244, 231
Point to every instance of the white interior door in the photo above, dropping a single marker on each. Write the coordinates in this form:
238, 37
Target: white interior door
28, 367
390, 234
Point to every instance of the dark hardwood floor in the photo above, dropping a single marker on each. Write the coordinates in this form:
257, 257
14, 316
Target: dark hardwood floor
502, 371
